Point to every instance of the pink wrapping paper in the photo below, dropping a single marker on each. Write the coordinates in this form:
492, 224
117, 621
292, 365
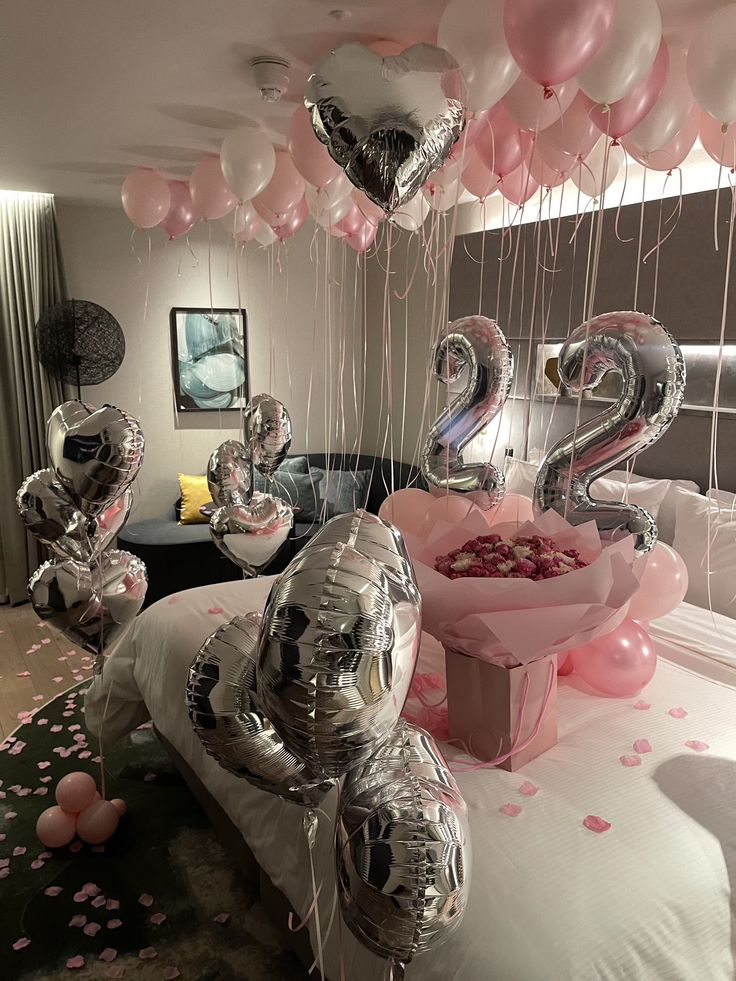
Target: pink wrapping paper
516, 621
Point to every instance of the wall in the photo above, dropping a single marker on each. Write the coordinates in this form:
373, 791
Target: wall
289, 309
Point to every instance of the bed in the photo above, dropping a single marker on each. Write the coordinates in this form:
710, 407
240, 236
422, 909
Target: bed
650, 898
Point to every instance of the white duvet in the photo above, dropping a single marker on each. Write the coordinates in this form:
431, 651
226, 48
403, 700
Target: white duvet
650, 899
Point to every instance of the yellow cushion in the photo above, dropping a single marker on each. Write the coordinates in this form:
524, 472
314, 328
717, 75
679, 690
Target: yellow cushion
194, 493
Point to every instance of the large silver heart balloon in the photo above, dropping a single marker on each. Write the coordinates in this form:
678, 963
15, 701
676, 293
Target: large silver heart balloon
96, 453
268, 433
250, 535
90, 605
51, 515
229, 475
221, 691
388, 122
402, 845
337, 654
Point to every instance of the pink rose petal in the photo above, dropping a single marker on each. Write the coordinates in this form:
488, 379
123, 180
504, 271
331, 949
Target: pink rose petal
91, 889
75, 962
114, 924
42, 722
56, 728
4, 873
513, 810
108, 954
148, 953
81, 896
46, 640
597, 824
27, 674
92, 929
74, 728
224, 917
43, 765
98, 901
157, 918
38, 698
9, 815
21, 943
642, 746
46, 779
45, 855
78, 920
52, 890
149, 776
630, 760
215, 610
528, 789
170, 973
112, 904
57, 680
172, 599
4, 863
115, 971
677, 713
697, 745
145, 899
19, 850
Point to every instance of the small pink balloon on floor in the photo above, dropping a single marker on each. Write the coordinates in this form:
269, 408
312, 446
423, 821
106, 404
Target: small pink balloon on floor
98, 822
620, 663
75, 791
55, 827
514, 507
663, 584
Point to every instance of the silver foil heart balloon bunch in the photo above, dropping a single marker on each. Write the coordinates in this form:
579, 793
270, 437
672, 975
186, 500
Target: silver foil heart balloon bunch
77, 507
250, 527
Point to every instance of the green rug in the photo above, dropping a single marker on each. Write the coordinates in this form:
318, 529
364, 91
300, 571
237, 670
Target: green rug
161, 899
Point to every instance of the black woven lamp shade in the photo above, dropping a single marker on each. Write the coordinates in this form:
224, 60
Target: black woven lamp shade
79, 342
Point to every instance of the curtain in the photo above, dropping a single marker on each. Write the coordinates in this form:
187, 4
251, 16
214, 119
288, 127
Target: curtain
31, 279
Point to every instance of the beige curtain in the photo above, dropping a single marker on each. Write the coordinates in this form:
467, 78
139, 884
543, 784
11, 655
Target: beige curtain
31, 279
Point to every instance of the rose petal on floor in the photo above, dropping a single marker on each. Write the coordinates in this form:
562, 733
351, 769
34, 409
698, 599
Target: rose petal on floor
21, 943
92, 929
157, 918
78, 920
594, 823
114, 924
148, 953
145, 899
108, 954
91, 888
115, 971
19, 850
170, 973
112, 904
512, 810
677, 713
642, 746
52, 890
215, 610
528, 789
630, 760
74, 963
697, 745
221, 918
81, 896
98, 901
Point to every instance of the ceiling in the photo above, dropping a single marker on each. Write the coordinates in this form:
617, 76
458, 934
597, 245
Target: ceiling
91, 88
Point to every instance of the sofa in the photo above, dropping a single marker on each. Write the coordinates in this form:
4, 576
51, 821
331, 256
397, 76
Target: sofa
182, 557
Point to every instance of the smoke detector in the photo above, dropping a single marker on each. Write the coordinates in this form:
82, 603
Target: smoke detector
271, 76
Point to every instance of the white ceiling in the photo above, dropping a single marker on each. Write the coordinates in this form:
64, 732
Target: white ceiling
89, 88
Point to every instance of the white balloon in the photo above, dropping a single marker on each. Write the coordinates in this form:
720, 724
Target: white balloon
473, 34
681, 18
247, 159
412, 214
666, 118
627, 54
265, 235
711, 65
529, 108
323, 208
442, 198
589, 175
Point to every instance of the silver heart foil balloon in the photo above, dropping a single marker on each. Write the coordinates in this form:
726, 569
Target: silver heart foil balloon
92, 606
96, 453
50, 514
402, 847
229, 475
221, 700
338, 649
388, 122
250, 535
268, 433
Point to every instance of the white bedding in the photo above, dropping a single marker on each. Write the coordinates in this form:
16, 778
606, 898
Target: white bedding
649, 899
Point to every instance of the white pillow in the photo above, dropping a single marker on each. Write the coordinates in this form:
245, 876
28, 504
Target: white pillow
618, 485
666, 519
691, 538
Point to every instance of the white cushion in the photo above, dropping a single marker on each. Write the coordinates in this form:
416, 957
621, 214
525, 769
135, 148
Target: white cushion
691, 540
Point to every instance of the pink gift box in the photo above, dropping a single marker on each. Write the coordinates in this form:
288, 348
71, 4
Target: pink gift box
484, 703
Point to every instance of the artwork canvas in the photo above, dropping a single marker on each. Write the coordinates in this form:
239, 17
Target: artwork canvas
209, 354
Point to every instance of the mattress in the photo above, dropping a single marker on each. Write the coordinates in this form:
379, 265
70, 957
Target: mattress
650, 898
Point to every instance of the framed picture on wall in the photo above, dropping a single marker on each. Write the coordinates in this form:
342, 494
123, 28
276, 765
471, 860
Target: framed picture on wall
209, 353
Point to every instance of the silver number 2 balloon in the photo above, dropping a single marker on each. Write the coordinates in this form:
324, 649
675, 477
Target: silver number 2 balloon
478, 344
652, 367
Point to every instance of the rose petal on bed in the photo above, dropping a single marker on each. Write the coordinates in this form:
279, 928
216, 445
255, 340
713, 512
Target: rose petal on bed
145, 899
78, 920
170, 973
677, 713
92, 929
215, 610
513, 810
221, 918
115, 971
19, 850
642, 746
108, 954
98, 901
594, 823
630, 760
114, 924
148, 953
697, 745
52, 890
528, 789
21, 943
157, 918
81, 896
74, 963
112, 904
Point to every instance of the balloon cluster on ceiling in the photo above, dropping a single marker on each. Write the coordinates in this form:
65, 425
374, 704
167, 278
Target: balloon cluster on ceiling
545, 92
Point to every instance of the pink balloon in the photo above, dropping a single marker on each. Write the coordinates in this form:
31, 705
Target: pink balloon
352, 222
547, 175
182, 214
574, 135
476, 177
719, 145
514, 507
663, 584
620, 663
245, 223
310, 156
405, 508
672, 154
500, 144
210, 193
98, 822
474, 126
146, 197
75, 791
518, 186
371, 211
551, 40
284, 190
386, 48
534, 108
120, 806
617, 119
293, 221
55, 827
362, 240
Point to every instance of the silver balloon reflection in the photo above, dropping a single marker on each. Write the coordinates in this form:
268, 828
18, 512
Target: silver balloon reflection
91, 605
475, 344
221, 702
652, 368
250, 535
388, 122
268, 433
229, 477
402, 843
96, 453
50, 514
338, 647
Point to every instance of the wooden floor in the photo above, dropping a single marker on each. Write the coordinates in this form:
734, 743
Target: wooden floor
36, 663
